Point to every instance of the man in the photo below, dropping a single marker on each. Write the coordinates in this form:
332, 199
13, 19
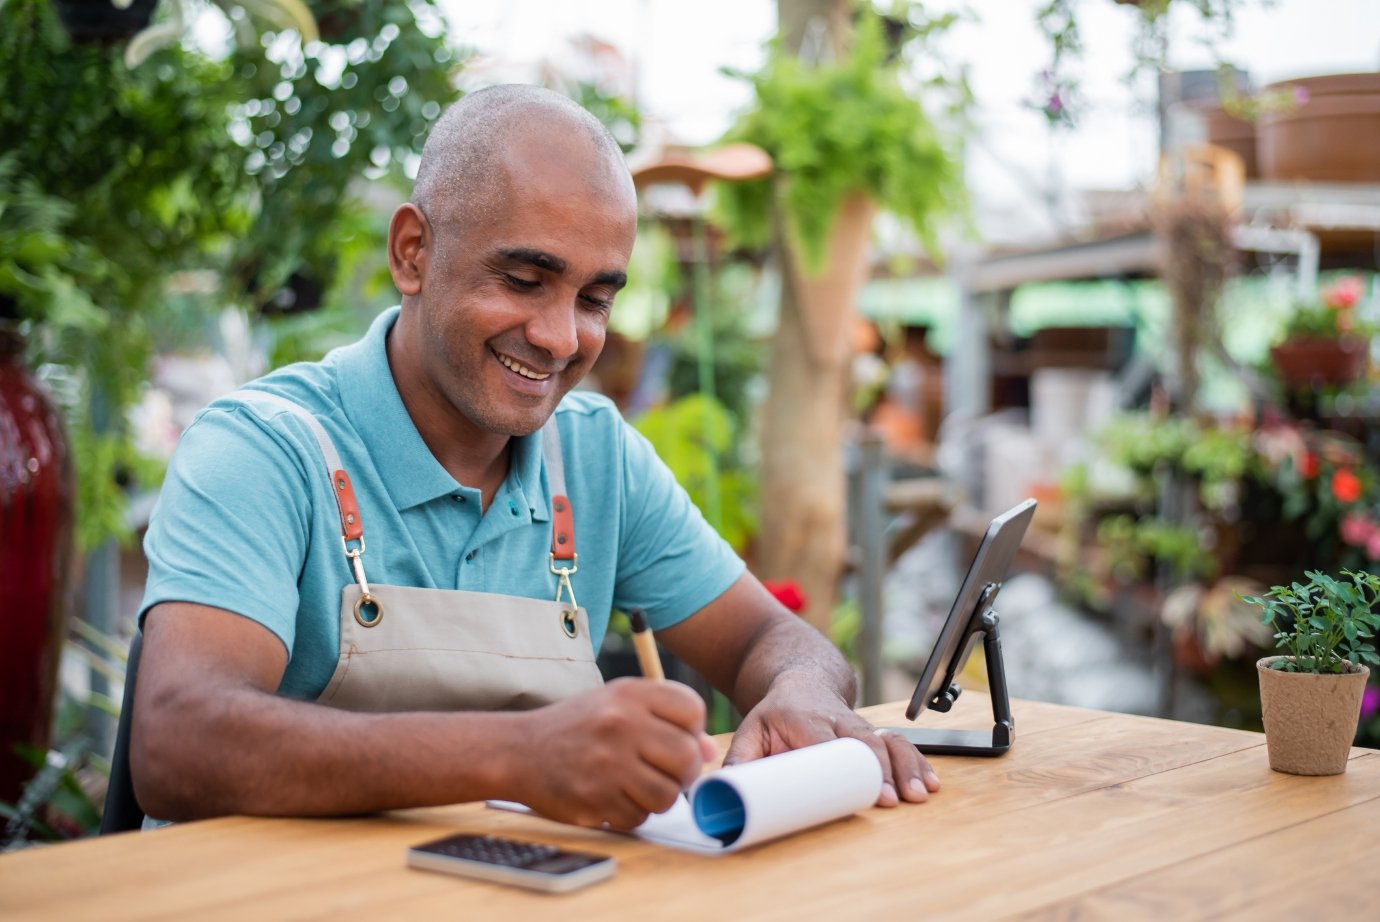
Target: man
488, 499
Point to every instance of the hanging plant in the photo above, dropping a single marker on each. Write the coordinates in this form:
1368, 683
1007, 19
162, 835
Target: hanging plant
1059, 21
834, 129
317, 118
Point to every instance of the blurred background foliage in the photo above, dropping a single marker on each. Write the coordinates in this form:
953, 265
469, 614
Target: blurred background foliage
139, 200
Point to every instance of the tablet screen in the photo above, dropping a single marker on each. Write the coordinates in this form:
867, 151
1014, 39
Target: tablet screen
990, 565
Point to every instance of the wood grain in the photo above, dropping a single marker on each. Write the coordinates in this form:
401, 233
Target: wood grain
1091, 815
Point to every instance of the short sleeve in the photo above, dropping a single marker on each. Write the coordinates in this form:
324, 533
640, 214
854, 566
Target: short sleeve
232, 523
671, 563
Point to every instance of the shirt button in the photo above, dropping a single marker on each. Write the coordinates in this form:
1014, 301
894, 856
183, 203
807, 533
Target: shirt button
512, 507
470, 556
459, 496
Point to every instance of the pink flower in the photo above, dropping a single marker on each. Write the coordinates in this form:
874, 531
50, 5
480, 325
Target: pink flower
1370, 701
1344, 294
1356, 530
1373, 545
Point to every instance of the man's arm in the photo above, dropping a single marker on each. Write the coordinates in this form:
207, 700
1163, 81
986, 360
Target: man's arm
793, 685
210, 737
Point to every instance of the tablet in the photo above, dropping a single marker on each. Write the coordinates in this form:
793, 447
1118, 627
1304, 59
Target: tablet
991, 565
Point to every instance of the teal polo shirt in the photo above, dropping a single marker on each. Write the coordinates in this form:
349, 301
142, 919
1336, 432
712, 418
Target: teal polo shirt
246, 521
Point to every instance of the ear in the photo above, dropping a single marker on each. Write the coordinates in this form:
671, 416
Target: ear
409, 243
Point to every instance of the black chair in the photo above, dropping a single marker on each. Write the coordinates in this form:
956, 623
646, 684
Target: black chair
122, 810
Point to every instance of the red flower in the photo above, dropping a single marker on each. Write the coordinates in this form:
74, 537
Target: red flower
1308, 465
1346, 486
1344, 294
788, 593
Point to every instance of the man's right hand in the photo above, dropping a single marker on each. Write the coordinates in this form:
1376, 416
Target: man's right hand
614, 754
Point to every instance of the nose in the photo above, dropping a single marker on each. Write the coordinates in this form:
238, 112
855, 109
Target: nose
553, 329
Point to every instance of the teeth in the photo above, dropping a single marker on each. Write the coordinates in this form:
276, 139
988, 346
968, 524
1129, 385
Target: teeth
522, 369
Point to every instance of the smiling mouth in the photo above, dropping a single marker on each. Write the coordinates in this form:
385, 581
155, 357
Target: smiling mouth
514, 365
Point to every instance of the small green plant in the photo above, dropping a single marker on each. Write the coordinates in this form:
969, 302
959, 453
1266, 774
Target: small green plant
1323, 625
687, 434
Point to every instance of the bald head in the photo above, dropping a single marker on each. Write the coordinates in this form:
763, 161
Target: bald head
463, 162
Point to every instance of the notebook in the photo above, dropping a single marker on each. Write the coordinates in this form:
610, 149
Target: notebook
743, 805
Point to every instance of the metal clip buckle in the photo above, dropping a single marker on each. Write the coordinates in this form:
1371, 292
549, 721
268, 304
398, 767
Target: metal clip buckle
563, 586
366, 597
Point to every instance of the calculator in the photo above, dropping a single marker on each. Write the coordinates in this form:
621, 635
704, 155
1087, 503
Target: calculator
510, 861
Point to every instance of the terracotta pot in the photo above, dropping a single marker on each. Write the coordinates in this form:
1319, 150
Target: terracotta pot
1310, 720
1235, 134
1332, 136
1307, 361
36, 504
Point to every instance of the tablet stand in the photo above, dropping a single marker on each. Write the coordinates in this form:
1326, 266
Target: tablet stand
972, 742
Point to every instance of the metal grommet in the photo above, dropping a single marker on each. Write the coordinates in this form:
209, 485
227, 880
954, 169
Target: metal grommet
374, 604
568, 623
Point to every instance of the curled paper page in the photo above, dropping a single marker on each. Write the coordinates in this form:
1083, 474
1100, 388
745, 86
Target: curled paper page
753, 802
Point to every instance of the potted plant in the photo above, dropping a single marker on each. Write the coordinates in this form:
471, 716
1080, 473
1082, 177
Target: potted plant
1311, 694
1323, 342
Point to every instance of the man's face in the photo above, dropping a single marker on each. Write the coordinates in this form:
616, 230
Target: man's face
515, 302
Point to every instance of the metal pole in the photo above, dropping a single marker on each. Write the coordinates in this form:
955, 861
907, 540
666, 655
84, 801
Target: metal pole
704, 338
872, 544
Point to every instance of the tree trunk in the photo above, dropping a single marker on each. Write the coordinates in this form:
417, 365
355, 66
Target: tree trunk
803, 480
803, 529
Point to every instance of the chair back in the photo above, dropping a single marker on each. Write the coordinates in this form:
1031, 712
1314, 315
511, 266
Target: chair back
122, 810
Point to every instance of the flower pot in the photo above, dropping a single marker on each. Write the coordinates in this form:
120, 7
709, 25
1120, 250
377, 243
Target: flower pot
1235, 134
1306, 361
1332, 135
36, 507
1310, 720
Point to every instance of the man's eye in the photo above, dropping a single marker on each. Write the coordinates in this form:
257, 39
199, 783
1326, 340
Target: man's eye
602, 304
520, 283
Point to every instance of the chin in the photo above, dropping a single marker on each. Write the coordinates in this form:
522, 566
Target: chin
512, 422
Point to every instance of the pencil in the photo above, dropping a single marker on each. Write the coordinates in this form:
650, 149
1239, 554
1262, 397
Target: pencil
648, 660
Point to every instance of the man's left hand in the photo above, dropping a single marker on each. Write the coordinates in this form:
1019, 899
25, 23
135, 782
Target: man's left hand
797, 712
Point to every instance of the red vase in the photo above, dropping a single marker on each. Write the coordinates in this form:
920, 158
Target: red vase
36, 507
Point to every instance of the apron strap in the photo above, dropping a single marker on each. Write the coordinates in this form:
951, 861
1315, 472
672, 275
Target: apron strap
562, 517
351, 523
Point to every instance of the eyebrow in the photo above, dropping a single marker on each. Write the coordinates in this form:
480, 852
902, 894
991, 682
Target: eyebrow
552, 263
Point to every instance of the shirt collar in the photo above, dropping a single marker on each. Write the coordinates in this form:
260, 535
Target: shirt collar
408, 469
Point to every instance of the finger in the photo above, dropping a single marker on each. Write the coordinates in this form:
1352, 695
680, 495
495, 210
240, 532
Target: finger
622, 813
911, 770
873, 738
709, 749
673, 702
652, 792
672, 752
748, 743
927, 772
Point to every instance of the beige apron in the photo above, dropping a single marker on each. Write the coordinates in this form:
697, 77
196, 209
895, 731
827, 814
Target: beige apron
406, 649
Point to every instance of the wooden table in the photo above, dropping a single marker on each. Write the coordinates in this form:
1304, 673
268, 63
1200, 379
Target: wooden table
1090, 815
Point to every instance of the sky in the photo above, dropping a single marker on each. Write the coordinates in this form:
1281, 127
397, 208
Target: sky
677, 50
